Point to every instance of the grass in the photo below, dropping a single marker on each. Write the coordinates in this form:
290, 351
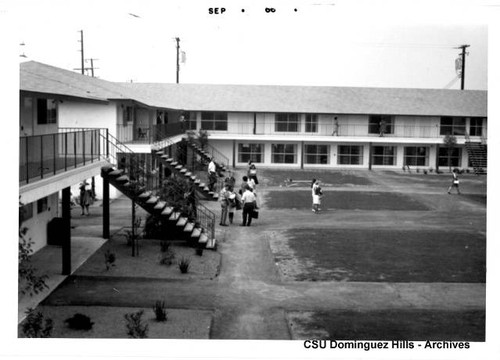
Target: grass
345, 200
386, 255
417, 325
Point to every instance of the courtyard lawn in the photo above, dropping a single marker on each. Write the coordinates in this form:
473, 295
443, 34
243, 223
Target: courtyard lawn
416, 325
383, 256
345, 200
302, 178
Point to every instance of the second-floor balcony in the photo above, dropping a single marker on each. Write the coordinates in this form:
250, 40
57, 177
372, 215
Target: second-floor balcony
129, 134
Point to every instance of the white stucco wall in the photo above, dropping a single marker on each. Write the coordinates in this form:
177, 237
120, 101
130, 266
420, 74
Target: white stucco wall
89, 115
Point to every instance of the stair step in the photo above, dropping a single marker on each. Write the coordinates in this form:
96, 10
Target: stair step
174, 163
167, 211
189, 227
122, 178
159, 152
206, 188
197, 181
202, 185
183, 170
165, 157
175, 215
196, 233
160, 205
182, 221
178, 167
188, 174
203, 238
115, 172
169, 160
215, 196
152, 200
193, 177
145, 195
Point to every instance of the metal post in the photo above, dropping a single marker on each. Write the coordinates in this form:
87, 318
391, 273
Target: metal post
66, 232
370, 156
83, 146
133, 227
302, 155
177, 69
27, 161
55, 152
41, 156
65, 151
74, 146
105, 207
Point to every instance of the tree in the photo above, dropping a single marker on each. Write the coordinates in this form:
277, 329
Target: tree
28, 280
450, 141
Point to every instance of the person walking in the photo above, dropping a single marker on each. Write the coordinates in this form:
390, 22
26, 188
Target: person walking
212, 174
335, 127
252, 172
316, 195
248, 200
455, 182
232, 199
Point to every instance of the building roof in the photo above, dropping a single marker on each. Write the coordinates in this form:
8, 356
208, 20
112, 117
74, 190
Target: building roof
42, 78
46, 79
314, 99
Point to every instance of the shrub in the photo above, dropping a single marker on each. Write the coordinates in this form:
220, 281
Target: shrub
167, 255
109, 259
79, 322
152, 228
36, 326
159, 310
135, 327
199, 251
184, 265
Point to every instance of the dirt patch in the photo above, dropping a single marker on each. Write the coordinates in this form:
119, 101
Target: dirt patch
147, 263
380, 255
416, 325
344, 200
109, 322
303, 178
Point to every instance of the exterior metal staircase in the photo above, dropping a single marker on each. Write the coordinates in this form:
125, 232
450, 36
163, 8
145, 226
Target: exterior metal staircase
478, 155
142, 183
181, 170
208, 152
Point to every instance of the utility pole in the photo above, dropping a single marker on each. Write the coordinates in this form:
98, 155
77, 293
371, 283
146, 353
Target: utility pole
92, 68
462, 75
177, 73
83, 56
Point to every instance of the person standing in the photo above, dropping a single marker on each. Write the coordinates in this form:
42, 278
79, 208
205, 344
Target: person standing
252, 172
223, 199
382, 127
248, 200
232, 199
455, 182
212, 174
85, 196
316, 195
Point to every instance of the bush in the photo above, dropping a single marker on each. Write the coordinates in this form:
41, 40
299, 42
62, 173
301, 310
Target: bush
109, 259
167, 255
159, 310
135, 328
199, 251
79, 322
184, 265
35, 326
152, 228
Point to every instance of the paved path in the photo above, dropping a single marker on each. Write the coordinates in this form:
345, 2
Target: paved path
250, 299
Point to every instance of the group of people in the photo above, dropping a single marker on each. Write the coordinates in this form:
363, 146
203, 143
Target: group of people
245, 199
317, 194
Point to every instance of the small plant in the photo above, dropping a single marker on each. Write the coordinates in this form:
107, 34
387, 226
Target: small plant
431, 170
164, 246
109, 259
36, 326
79, 322
184, 264
167, 255
199, 251
425, 172
135, 327
159, 310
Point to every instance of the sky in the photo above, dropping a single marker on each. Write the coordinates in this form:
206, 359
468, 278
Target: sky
316, 42
372, 43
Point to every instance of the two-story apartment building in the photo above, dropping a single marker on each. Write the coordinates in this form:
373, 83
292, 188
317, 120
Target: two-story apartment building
71, 125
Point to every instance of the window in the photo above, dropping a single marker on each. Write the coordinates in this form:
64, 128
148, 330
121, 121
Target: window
452, 126
190, 120
214, 121
378, 124
26, 212
311, 123
416, 156
46, 111
286, 123
161, 117
350, 155
128, 114
317, 154
455, 157
476, 126
250, 152
384, 155
42, 205
283, 154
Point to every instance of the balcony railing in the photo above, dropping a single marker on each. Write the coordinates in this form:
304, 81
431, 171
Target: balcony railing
42, 156
323, 128
147, 135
